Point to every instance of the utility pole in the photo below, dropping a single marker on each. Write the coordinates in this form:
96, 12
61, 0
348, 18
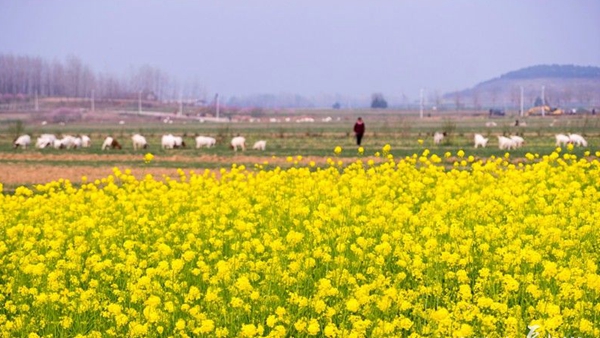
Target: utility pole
543, 101
421, 104
140, 102
92, 100
521, 101
180, 105
37, 105
217, 105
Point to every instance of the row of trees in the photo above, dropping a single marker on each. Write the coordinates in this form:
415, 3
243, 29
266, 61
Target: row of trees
28, 76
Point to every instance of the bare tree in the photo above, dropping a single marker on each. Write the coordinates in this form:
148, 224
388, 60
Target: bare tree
28, 76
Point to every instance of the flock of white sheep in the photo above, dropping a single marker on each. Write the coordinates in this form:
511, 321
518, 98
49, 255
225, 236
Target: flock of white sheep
168, 141
515, 141
51, 141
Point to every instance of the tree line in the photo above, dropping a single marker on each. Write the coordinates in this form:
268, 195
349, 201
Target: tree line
26, 76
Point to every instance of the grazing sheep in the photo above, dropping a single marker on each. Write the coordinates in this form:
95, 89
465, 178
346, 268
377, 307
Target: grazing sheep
202, 141
168, 141
490, 124
438, 137
48, 136
45, 141
260, 145
139, 142
519, 141
86, 142
577, 140
111, 143
178, 142
562, 140
22, 141
70, 142
77, 142
506, 143
480, 141
238, 141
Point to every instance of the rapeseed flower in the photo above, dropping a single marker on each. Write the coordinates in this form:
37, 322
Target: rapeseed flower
389, 247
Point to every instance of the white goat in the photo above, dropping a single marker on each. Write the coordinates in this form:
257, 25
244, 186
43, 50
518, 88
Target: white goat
168, 141
69, 142
202, 141
577, 140
110, 142
260, 145
562, 140
22, 141
139, 142
506, 143
238, 141
519, 141
178, 142
480, 141
86, 142
45, 141
438, 137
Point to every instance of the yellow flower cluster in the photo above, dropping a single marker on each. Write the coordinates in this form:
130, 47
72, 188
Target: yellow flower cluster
410, 247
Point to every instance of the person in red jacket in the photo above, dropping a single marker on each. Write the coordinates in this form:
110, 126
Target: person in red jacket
359, 130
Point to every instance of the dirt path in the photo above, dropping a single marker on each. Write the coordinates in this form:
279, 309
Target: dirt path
17, 174
37, 168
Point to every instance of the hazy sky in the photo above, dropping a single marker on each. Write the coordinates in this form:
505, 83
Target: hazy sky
309, 47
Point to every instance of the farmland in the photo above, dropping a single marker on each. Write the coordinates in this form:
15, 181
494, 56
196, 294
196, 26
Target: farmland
314, 141
408, 239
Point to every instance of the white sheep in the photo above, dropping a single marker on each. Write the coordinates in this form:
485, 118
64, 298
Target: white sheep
519, 141
86, 142
207, 141
168, 141
438, 137
178, 142
238, 141
110, 142
562, 140
490, 124
45, 141
77, 142
480, 141
69, 142
139, 142
48, 136
506, 143
260, 145
22, 141
577, 140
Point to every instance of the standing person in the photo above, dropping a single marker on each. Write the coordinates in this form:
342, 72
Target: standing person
359, 130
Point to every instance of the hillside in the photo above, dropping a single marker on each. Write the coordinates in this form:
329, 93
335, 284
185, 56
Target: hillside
563, 86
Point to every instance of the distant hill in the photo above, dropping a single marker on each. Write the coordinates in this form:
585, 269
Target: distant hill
563, 86
554, 71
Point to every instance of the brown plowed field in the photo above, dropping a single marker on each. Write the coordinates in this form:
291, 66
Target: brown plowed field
38, 168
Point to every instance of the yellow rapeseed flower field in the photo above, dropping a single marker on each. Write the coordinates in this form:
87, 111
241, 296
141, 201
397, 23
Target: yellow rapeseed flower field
416, 247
